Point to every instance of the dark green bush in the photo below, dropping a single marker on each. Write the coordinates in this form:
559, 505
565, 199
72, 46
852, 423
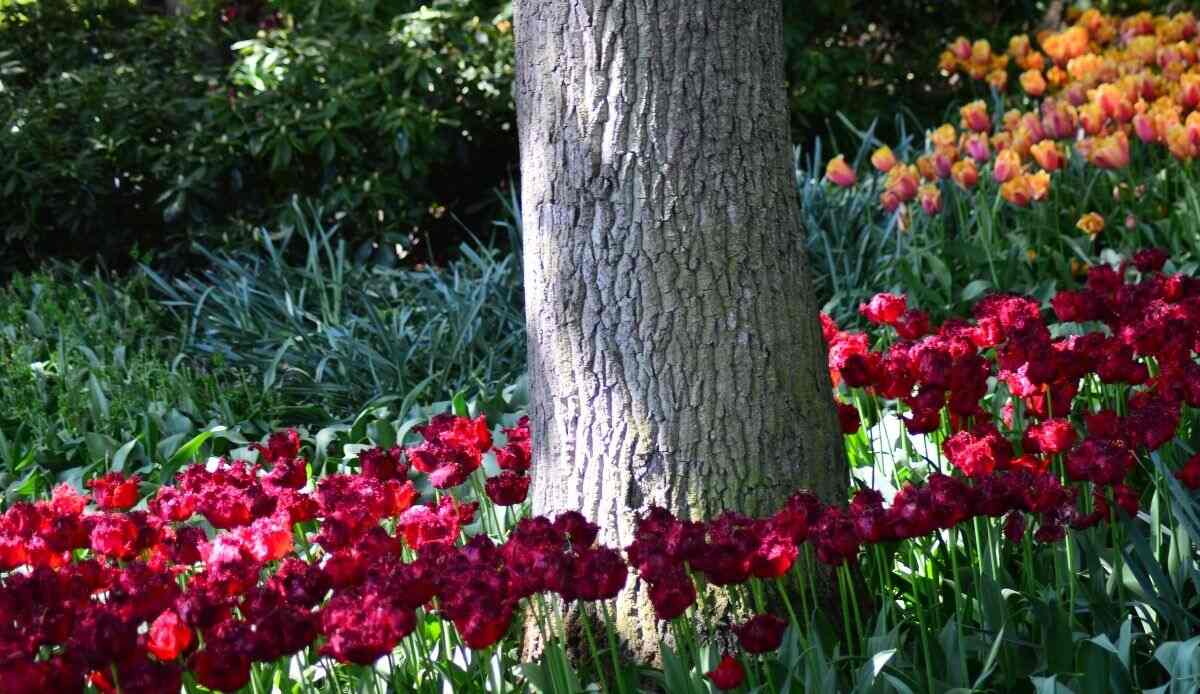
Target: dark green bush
125, 129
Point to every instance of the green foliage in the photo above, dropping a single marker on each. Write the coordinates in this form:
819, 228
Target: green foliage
88, 363
334, 331
125, 129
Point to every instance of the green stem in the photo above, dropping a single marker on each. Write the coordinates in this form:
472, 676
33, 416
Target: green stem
613, 649
960, 613
591, 640
915, 595
845, 612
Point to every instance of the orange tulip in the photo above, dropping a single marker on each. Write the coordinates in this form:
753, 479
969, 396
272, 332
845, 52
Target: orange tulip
1033, 83
1019, 46
889, 201
1114, 103
925, 167
944, 136
1010, 119
903, 181
1007, 165
930, 197
943, 159
1059, 119
975, 117
883, 159
1091, 118
947, 63
1064, 46
961, 48
1111, 152
1189, 90
1143, 127
976, 147
965, 174
1179, 144
998, 79
1017, 191
981, 52
1056, 77
1090, 69
1034, 125
1090, 224
840, 173
1039, 185
1192, 126
1046, 154
1021, 142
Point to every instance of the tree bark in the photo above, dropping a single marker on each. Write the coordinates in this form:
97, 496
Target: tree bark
1054, 14
675, 355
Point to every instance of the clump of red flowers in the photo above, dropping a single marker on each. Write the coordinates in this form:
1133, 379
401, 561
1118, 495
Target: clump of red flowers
92, 588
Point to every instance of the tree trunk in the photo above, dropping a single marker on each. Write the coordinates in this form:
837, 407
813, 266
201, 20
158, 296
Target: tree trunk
1054, 14
675, 355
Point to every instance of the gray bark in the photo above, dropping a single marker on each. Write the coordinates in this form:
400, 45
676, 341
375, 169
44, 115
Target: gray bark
675, 355
1054, 14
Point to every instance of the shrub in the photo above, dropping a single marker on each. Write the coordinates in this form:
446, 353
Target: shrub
129, 130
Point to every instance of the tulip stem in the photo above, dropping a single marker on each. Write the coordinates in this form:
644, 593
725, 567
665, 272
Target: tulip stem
557, 669
952, 548
915, 594
614, 650
787, 603
591, 639
845, 613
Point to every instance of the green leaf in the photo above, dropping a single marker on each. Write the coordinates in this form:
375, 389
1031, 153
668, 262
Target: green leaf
990, 664
676, 674
1181, 659
282, 156
870, 670
1049, 685
190, 450
458, 404
324, 439
100, 446
273, 367
99, 401
975, 289
122, 454
405, 428
951, 646
382, 433
537, 677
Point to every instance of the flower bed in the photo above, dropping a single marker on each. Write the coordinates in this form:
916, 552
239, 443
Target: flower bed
1045, 431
